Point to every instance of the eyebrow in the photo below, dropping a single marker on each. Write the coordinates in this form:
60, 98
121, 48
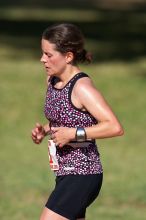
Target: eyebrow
47, 53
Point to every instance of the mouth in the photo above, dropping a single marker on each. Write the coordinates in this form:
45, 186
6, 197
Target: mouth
47, 68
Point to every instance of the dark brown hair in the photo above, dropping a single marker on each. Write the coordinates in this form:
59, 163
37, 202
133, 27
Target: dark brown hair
68, 38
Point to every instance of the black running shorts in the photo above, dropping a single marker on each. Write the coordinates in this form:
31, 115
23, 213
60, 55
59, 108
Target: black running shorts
73, 194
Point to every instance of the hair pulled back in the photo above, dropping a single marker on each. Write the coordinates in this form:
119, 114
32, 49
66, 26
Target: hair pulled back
68, 38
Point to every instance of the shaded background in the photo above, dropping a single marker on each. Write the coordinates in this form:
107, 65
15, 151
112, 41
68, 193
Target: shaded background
116, 27
115, 33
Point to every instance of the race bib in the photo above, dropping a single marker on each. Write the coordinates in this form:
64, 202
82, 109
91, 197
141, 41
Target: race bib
52, 155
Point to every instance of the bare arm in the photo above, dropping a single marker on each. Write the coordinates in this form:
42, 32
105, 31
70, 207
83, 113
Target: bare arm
91, 99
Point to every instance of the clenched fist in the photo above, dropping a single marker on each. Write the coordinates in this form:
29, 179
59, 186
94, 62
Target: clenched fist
38, 133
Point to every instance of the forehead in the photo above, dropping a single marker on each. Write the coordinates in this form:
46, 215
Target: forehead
47, 46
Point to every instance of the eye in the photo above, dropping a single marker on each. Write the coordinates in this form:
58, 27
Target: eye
49, 55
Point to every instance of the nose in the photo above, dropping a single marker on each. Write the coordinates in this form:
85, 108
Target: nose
43, 59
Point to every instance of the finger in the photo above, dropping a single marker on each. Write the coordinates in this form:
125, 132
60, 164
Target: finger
55, 141
39, 127
33, 138
36, 136
60, 145
52, 136
36, 141
33, 133
39, 137
54, 129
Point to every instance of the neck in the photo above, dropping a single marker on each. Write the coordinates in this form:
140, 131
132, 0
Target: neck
68, 73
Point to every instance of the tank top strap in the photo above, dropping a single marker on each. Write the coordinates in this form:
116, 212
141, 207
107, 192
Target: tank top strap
75, 78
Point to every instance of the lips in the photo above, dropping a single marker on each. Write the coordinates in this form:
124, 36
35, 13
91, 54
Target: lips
47, 68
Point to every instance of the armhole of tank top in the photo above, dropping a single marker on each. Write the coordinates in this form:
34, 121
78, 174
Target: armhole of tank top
81, 75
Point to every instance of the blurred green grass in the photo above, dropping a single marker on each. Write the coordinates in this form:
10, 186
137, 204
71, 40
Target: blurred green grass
25, 177
43, 14
26, 180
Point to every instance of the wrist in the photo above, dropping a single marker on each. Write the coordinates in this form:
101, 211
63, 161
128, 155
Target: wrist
80, 134
46, 130
72, 134
43, 132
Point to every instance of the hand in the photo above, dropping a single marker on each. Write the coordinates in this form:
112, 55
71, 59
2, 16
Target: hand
62, 135
38, 133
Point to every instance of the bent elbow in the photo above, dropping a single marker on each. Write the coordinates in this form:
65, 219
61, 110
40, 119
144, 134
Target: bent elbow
119, 131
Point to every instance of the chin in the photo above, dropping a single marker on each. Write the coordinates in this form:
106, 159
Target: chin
50, 73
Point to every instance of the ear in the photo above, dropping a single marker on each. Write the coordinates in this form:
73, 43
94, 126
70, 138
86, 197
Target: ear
69, 57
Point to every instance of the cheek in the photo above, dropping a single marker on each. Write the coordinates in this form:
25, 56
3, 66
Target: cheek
58, 61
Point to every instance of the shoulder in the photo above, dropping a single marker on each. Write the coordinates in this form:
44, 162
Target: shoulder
84, 86
86, 80
87, 92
